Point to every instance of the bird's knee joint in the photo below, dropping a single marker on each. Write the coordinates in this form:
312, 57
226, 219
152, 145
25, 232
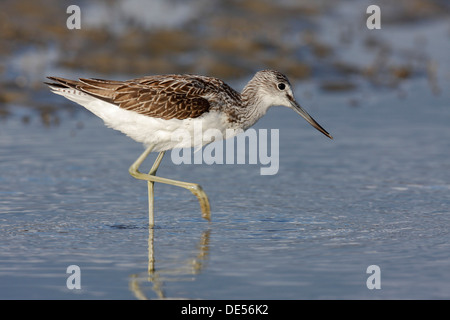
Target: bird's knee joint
133, 171
196, 188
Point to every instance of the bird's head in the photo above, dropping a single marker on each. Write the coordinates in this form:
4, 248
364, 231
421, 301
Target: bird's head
275, 90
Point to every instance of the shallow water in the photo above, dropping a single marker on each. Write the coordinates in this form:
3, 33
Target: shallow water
378, 194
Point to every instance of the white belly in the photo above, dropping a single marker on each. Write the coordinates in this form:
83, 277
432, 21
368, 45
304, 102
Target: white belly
159, 133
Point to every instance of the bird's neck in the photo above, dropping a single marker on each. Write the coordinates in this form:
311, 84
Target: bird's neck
254, 105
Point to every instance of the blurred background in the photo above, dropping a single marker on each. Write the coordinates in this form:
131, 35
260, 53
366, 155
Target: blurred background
325, 42
379, 193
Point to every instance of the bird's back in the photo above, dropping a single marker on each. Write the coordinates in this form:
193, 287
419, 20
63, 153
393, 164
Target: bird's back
159, 96
152, 109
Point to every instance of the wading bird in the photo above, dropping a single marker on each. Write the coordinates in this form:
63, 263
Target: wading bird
150, 109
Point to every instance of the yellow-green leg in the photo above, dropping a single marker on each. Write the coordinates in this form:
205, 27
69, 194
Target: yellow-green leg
151, 178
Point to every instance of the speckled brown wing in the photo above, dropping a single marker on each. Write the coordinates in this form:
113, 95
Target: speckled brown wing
166, 97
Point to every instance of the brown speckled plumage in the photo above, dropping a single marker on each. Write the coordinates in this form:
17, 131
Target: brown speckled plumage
165, 97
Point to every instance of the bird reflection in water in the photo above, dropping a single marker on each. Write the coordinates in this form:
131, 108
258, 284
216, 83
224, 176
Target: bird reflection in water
158, 277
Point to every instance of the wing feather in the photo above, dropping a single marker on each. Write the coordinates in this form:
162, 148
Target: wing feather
166, 97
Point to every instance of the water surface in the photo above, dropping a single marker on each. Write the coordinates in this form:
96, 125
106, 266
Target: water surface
378, 194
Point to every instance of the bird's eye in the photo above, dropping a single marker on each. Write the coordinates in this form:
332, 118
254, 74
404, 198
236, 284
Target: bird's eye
281, 86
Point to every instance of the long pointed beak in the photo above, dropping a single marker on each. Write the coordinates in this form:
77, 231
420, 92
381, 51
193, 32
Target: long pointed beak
308, 118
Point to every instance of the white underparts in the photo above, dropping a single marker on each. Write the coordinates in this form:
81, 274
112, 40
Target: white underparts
162, 134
